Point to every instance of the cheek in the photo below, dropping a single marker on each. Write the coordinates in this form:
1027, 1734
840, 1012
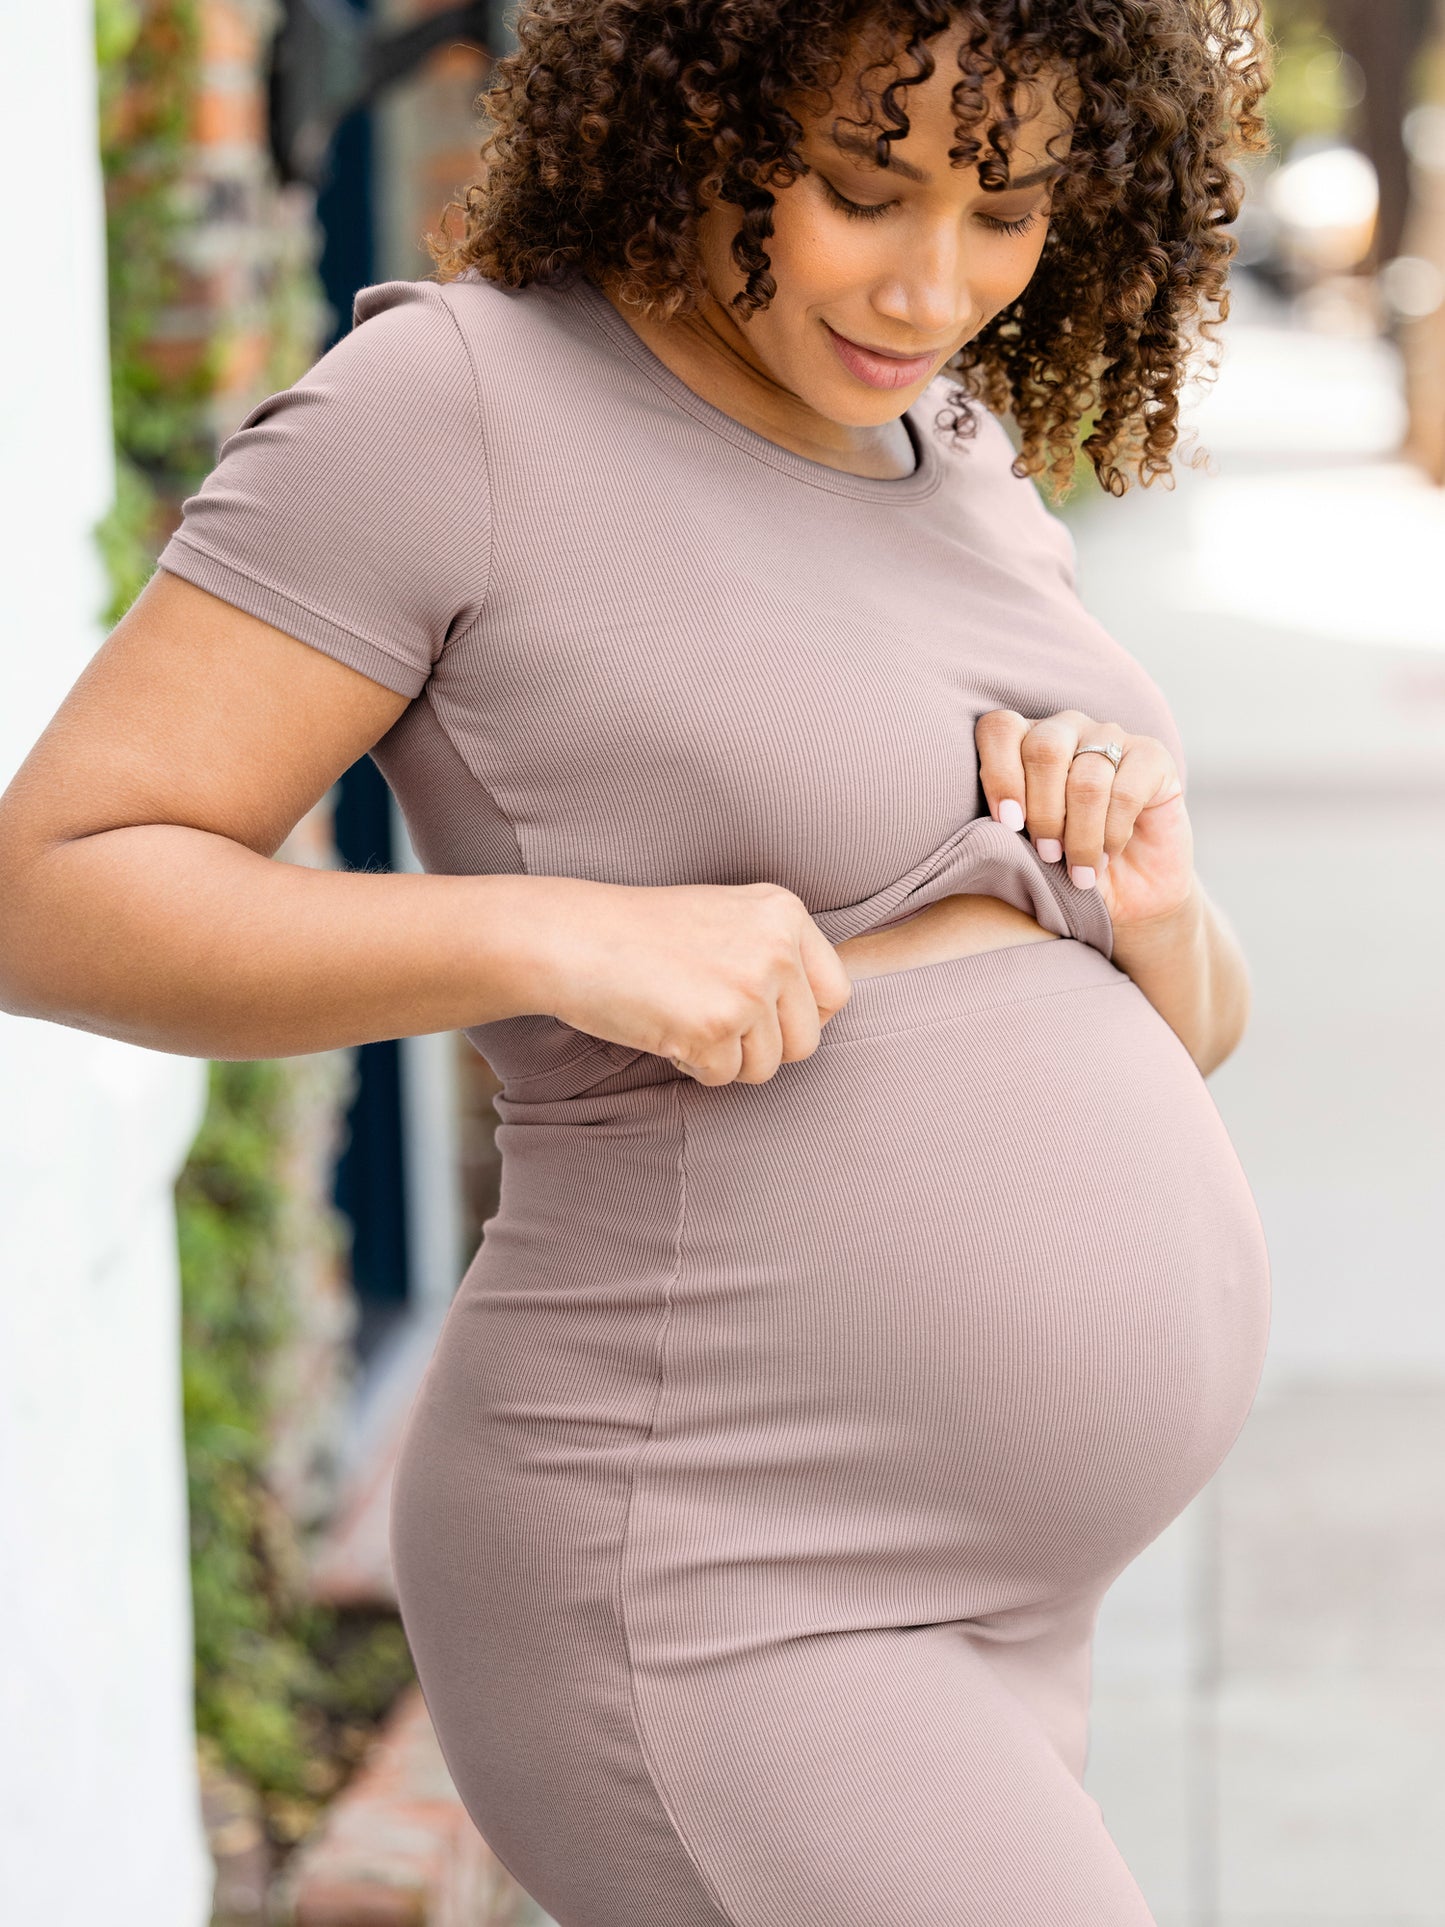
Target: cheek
822, 250
803, 244
815, 268
1005, 276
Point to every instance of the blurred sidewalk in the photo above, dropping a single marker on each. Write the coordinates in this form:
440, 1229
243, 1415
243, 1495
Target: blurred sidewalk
1269, 1726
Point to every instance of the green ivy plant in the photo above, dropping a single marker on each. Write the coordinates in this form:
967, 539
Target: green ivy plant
148, 62
285, 1688
286, 1692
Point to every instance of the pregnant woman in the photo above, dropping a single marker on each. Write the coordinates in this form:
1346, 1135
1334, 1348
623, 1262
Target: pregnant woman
873, 1277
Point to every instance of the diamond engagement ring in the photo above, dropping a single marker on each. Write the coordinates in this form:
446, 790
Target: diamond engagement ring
1114, 751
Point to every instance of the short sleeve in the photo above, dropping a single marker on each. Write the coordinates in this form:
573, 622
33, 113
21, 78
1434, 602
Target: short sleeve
351, 510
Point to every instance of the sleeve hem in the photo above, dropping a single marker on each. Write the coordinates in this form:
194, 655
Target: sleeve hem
184, 557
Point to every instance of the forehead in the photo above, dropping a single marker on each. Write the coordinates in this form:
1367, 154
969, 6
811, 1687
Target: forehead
1044, 103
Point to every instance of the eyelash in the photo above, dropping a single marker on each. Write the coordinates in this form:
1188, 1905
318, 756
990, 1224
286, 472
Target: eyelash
861, 213
1021, 226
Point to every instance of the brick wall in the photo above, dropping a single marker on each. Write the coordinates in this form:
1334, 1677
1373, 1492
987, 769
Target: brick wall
252, 242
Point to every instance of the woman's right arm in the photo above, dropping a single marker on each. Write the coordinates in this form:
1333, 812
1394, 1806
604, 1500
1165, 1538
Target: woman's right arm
143, 899
141, 894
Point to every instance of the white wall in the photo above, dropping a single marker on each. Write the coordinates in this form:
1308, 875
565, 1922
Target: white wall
99, 1805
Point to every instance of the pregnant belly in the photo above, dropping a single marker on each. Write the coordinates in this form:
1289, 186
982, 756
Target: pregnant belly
979, 1288
954, 926
951, 1316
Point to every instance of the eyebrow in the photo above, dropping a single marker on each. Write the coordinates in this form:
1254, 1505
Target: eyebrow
864, 146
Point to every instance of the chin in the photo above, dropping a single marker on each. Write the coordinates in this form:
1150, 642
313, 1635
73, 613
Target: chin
869, 411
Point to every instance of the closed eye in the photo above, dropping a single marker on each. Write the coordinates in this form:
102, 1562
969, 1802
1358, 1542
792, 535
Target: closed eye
1000, 226
870, 211
860, 211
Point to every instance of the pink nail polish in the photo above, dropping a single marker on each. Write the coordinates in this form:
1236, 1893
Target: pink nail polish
1011, 814
1103, 861
1083, 876
1050, 849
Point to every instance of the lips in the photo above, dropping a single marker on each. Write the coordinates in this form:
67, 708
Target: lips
876, 367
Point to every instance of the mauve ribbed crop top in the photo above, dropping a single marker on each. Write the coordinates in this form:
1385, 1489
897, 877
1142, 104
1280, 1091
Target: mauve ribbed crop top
643, 643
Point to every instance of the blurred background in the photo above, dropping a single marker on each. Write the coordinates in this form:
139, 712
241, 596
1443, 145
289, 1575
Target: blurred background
219, 1283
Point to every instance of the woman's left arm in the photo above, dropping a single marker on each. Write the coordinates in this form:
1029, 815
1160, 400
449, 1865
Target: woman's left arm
1189, 965
1124, 831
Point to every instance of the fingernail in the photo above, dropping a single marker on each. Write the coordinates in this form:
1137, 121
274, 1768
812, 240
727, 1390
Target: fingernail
1050, 849
1103, 861
1083, 876
1011, 814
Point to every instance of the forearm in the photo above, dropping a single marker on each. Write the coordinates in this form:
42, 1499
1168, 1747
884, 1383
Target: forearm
1191, 968
185, 941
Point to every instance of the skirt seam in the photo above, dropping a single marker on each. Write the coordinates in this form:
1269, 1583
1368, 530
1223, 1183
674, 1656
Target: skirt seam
953, 1016
724, 1918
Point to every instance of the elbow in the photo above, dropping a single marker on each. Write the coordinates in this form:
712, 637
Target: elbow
25, 992
1229, 1028
39, 954
21, 980
16, 996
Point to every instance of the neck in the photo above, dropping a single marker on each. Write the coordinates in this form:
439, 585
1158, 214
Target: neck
711, 353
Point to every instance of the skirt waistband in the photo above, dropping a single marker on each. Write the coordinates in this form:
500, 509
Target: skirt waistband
931, 993
894, 1000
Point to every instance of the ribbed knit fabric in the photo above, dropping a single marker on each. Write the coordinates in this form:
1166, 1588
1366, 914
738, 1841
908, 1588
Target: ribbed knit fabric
753, 1516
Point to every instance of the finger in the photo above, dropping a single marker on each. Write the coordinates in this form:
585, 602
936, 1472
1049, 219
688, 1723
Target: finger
1045, 754
826, 973
718, 1065
800, 1022
1144, 772
1088, 787
997, 735
761, 1050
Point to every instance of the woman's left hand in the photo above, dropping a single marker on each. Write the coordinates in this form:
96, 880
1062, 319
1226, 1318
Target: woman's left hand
1124, 832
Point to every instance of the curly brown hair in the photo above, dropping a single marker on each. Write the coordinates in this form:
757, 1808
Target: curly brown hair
613, 119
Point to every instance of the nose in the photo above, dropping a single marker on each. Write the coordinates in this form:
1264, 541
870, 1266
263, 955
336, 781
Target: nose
927, 296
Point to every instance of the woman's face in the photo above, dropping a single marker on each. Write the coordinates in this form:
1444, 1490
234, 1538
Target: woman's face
911, 260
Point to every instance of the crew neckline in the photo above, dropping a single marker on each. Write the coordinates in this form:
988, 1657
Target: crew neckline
920, 482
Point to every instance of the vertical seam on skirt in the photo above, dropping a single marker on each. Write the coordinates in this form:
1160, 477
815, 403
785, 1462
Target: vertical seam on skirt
724, 1917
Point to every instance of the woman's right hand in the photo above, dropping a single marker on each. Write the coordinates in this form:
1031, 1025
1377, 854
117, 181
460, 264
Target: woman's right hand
727, 980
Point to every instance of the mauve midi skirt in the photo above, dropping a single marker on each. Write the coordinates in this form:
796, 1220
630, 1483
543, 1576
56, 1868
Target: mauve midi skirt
753, 1515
